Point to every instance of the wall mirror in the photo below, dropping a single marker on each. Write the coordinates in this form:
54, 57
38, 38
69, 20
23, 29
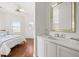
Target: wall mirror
62, 16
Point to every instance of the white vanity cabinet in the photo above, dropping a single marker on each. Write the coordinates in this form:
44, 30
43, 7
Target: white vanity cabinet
47, 48
55, 50
67, 52
50, 49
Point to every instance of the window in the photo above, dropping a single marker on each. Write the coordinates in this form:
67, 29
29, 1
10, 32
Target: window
16, 27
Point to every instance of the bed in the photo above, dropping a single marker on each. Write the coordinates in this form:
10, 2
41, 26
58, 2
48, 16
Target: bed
7, 41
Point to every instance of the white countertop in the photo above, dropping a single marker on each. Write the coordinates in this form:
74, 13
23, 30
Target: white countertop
69, 43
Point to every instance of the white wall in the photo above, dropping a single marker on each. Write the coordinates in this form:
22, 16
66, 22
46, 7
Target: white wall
8, 15
41, 17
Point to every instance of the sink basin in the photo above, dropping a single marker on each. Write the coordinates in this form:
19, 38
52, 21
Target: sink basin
75, 39
50, 37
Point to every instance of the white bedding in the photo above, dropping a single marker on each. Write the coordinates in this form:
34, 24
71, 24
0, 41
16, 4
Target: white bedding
9, 41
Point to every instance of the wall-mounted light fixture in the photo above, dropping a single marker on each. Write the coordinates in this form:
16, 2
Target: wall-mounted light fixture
19, 8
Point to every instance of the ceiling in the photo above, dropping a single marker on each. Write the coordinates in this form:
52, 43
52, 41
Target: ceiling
13, 6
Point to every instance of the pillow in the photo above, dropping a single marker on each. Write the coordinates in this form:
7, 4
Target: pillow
3, 33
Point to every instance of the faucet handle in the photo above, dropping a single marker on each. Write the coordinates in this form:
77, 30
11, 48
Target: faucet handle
56, 35
63, 35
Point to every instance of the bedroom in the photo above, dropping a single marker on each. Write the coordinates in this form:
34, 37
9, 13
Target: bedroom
16, 27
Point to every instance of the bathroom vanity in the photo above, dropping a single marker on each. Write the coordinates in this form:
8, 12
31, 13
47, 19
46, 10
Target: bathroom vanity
62, 17
57, 47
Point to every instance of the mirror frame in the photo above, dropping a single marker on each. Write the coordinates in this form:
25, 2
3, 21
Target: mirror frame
73, 19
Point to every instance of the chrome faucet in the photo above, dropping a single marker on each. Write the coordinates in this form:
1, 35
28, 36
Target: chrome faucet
56, 35
63, 35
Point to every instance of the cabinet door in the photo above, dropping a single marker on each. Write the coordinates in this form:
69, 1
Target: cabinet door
66, 52
51, 49
40, 47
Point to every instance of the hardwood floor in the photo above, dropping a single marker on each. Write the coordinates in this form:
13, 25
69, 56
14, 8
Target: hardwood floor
23, 50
